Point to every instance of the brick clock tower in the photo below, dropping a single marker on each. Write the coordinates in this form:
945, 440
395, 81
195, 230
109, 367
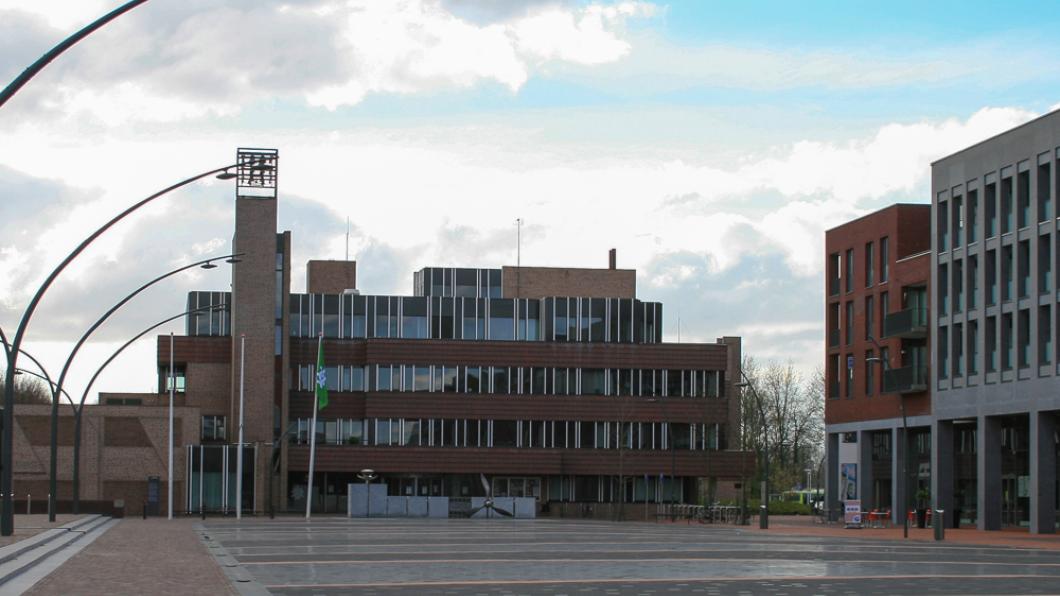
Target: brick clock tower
260, 286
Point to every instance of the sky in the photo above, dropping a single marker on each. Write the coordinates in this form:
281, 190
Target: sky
710, 143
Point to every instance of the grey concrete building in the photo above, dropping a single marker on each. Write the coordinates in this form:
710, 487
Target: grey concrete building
996, 376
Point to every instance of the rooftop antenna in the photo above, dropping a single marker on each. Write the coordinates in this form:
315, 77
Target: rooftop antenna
518, 241
518, 252
347, 237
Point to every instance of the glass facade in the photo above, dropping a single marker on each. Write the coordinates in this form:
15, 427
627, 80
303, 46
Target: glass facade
457, 282
520, 434
516, 380
215, 318
468, 305
211, 478
347, 316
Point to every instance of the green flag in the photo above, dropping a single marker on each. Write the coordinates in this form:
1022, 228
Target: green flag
322, 378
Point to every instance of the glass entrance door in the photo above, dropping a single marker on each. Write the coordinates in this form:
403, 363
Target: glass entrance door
211, 478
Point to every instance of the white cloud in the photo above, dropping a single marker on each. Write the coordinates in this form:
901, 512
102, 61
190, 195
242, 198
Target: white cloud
586, 38
130, 102
200, 59
414, 194
61, 14
410, 47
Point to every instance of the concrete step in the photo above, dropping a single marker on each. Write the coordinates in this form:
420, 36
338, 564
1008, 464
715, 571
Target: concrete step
38, 540
16, 571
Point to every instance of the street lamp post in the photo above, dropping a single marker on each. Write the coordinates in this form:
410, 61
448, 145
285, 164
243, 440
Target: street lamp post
43, 375
622, 440
272, 471
763, 506
55, 389
905, 437
31, 71
54, 467
670, 444
7, 525
368, 475
273, 464
239, 450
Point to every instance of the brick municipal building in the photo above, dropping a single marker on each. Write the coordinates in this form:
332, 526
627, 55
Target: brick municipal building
554, 383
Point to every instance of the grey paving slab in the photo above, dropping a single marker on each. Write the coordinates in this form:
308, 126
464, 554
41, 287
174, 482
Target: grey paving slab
365, 556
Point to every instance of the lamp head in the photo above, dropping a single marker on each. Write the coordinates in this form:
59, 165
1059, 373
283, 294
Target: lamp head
209, 265
225, 175
233, 260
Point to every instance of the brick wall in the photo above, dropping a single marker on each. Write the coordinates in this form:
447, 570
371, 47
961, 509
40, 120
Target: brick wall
541, 282
907, 228
254, 286
330, 277
120, 447
253, 315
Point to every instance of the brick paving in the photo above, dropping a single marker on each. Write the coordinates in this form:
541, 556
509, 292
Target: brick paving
31, 525
154, 556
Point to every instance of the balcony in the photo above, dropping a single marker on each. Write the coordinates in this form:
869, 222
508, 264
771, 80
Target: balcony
908, 379
911, 323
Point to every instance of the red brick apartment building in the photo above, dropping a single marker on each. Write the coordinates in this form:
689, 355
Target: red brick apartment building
552, 382
877, 356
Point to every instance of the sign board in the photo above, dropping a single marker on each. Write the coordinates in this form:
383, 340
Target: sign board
850, 362
852, 512
849, 472
154, 489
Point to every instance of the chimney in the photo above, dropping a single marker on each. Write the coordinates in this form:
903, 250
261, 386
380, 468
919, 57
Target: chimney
612, 258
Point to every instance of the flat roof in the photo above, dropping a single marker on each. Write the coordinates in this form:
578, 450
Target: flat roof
877, 212
998, 135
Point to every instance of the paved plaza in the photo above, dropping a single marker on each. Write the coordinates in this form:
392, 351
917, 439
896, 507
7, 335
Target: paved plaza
341, 556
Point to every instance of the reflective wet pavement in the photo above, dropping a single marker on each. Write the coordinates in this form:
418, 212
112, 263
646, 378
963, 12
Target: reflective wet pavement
340, 556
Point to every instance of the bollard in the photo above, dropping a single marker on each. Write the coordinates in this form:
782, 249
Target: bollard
49, 505
940, 526
29, 504
145, 509
202, 511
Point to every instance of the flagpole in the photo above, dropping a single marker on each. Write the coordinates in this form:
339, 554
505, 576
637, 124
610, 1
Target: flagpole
172, 388
313, 439
239, 449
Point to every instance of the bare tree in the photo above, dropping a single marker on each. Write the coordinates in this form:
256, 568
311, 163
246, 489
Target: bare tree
29, 390
789, 420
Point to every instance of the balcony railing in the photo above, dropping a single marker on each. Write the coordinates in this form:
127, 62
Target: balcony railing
908, 379
911, 323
